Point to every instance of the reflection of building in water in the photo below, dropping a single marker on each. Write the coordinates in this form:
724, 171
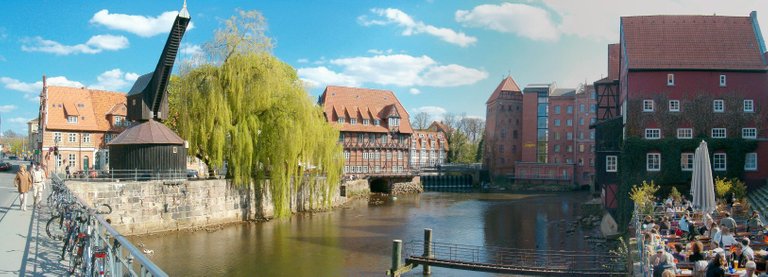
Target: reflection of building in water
542, 234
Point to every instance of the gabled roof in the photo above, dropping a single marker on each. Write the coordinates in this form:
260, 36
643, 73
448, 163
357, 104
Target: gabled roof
150, 132
614, 58
426, 140
506, 85
377, 103
692, 42
439, 126
90, 105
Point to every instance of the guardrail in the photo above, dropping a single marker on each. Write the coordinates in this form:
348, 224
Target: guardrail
131, 175
123, 256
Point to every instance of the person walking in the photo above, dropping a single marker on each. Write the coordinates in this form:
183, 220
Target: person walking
38, 184
23, 183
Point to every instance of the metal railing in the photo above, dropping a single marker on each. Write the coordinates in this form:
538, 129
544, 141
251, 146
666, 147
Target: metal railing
131, 175
124, 258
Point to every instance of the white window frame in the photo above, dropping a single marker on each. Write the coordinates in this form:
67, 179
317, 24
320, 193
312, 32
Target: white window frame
753, 166
674, 105
652, 133
648, 105
71, 161
649, 166
723, 80
718, 131
86, 137
366, 121
72, 137
749, 105
718, 105
346, 155
670, 79
57, 137
340, 120
749, 133
684, 133
715, 162
72, 119
353, 121
611, 163
686, 162
569, 122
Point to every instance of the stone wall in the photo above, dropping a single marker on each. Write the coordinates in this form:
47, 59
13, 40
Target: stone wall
156, 206
407, 188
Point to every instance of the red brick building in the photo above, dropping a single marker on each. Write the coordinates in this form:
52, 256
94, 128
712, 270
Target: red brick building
428, 148
692, 78
540, 135
375, 130
80, 122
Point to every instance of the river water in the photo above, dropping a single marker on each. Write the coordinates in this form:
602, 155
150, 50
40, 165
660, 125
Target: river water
357, 240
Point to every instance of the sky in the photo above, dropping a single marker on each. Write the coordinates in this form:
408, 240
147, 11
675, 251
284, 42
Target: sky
437, 56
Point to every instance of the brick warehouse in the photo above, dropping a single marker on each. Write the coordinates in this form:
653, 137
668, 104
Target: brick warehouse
540, 134
677, 80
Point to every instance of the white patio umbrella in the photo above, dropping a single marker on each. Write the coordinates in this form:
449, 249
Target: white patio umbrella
702, 183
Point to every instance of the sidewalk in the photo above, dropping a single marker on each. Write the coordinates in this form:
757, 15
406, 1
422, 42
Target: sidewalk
26, 249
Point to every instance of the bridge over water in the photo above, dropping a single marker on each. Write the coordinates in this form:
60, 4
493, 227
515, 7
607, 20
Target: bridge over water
428, 253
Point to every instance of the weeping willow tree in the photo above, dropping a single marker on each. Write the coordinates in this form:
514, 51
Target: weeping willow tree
245, 107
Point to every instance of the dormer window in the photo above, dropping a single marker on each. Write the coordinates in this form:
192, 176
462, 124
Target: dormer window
366, 122
72, 119
353, 121
118, 120
394, 121
376, 122
341, 120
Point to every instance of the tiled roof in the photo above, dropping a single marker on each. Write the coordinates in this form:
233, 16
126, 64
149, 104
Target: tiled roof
422, 137
347, 101
439, 126
691, 42
150, 132
91, 106
508, 85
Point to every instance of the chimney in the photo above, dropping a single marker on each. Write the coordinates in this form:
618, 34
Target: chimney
44, 84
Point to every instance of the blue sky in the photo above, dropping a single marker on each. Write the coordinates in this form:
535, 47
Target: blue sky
437, 56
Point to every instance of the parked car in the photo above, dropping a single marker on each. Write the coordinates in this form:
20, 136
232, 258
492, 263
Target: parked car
5, 166
192, 174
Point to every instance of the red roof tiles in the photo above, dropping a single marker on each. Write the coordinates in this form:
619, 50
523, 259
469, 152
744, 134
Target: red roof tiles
691, 42
346, 101
89, 105
508, 85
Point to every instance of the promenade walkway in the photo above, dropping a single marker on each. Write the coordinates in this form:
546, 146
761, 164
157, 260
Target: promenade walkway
25, 249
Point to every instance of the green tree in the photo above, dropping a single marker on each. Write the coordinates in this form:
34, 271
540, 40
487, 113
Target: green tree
247, 108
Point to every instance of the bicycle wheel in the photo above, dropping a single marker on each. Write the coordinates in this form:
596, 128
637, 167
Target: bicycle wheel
54, 228
104, 209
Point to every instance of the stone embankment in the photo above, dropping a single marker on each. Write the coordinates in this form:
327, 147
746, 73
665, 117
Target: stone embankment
157, 206
406, 188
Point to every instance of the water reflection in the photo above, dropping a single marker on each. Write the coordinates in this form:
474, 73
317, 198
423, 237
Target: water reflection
356, 241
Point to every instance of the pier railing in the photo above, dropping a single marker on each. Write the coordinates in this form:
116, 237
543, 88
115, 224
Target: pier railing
132, 175
124, 258
503, 260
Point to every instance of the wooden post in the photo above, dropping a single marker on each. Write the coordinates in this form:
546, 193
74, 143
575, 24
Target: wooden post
397, 249
427, 249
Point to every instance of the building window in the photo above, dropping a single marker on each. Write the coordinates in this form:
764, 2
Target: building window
399, 155
593, 108
366, 122
581, 135
118, 120
359, 137
384, 139
557, 148
749, 105
569, 122
389, 156
749, 133
57, 137
72, 119
376, 122
353, 121
346, 155
611, 163
570, 149
581, 108
341, 120
592, 134
718, 162
718, 106
653, 162
750, 162
686, 161
569, 136
58, 160
557, 136
107, 138
670, 79
346, 169
684, 133
501, 148
718, 133
365, 155
674, 105
652, 133
581, 148
341, 137
393, 121
86, 137
569, 109
581, 121
71, 161
72, 137
647, 105
722, 80
557, 122
557, 109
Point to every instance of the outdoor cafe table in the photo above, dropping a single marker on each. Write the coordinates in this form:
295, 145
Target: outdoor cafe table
689, 273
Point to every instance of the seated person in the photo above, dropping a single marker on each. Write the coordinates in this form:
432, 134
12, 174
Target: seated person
728, 221
738, 256
727, 239
747, 249
754, 223
715, 267
697, 249
678, 252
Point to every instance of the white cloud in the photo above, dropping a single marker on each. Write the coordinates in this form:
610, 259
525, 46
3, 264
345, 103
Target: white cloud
18, 120
434, 112
380, 52
520, 19
145, 26
191, 49
413, 27
114, 80
7, 108
398, 70
302, 60
550, 19
96, 44
414, 91
316, 77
